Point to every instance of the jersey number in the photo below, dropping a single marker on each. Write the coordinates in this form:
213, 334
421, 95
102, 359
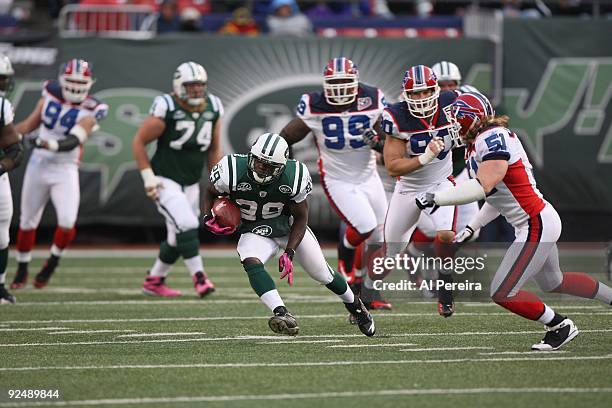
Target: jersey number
333, 129
203, 138
418, 144
496, 143
53, 113
248, 208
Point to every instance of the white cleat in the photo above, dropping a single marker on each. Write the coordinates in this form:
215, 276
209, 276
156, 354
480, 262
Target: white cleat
557, 336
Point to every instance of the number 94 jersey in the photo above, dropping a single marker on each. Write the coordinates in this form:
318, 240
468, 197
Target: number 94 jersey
181, 149
59, 116
342, 152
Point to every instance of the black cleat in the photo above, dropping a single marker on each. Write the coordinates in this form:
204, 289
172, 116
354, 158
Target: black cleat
362, 317
446, 309
283, 322
5, 297
557, 336
21, 276
446, 305
42, 278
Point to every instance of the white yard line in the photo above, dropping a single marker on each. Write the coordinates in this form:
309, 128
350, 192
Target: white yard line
448, 348
274, 338
310, 364
373, 345
161, 334
89, 331
32, 329
528, 353
300, 341
142, 253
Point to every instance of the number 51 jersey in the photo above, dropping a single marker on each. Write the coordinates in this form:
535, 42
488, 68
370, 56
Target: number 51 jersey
343, 154
59, 116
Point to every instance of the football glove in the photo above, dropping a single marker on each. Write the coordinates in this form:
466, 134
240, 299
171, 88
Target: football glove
152, 183
285, 265
211, 224
372, 139
426, 200
464, 235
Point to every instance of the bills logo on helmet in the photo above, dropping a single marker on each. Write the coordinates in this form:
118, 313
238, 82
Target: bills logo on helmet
76, 80
340, 81
419, 79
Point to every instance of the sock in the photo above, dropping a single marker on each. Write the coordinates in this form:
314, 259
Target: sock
61, 239
339, 286
557, 318
346, 254
272, 299
358, 257
547, 316
582, 285
194, 264
524, 303
160, 268
188, 244
260, 280
25, 244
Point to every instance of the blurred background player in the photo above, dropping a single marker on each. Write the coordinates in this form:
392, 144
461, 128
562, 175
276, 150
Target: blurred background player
417, 147
186, 126
338, 117
65, 116
11, 154
270, 189
498, 163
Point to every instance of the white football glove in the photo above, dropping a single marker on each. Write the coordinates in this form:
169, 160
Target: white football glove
464, 235
152, 183
434, 147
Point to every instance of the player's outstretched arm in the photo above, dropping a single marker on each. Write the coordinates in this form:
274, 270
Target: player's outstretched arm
295, 131
33, 121
299, 211
10, 143
214, 150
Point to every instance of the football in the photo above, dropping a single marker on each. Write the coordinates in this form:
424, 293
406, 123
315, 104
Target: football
226, 212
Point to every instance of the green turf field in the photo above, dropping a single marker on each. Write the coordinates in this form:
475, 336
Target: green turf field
93, 336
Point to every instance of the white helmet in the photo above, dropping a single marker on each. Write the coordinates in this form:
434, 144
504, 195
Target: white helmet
7, 72
447, 71
188, 73
268, 158
76, 80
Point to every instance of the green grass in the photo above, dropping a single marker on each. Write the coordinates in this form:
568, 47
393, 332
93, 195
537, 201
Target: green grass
281, 369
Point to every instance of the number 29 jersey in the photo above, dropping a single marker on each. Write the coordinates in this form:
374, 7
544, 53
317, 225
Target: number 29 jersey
59, 116
343, 154
181, 149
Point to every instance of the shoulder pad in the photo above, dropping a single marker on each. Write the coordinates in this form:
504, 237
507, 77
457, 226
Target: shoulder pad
318, 103
446, 98
53, 88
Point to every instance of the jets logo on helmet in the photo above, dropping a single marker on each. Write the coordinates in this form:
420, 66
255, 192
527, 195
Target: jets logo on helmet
76, 80
469, 110
189, 83
268, 158
447, 71
6, 75
417, 80
340, 81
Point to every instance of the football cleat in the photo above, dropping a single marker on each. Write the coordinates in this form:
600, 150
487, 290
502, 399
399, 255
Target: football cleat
446, 309
42, 278
202, 284
557, 336
362, 317
21, 276
156, 286
283, 322
5, 297
446, 306
373, 299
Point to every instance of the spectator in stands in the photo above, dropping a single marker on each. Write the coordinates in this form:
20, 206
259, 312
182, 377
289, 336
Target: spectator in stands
191, 20
241, 23
168, 20
326, 9
283, 20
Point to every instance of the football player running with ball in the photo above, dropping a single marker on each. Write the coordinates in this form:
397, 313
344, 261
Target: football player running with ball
501, 174
271, 191
339, 117
186, 126
10, 157
65, 116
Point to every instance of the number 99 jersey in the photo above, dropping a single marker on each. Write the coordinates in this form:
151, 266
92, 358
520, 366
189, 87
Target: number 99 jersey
342, 152
58, 116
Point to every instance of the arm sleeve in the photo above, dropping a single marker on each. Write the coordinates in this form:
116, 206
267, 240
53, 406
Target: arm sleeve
220, 175
159, 108
305, 185
484, 216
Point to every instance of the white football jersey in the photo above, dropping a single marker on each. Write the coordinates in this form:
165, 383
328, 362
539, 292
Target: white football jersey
7, 112
343, 154
516, 197
59, 116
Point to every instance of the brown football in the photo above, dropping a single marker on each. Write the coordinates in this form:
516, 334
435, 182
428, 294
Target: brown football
226, 212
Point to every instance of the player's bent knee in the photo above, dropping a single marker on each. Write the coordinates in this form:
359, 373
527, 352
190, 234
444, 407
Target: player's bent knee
355, 237
251, 261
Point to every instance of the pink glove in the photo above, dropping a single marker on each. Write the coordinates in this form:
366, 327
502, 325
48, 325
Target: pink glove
285, 265
211, 224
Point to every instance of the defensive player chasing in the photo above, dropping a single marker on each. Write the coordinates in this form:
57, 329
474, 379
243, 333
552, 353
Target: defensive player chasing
186, 126
65, 116
271, 192
501, 174
10, 157
417, 147
338, 118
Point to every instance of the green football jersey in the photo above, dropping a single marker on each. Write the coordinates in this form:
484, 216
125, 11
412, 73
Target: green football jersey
262, 206
181, 149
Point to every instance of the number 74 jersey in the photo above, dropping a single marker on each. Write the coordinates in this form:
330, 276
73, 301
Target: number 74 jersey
59, 116
342, 152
